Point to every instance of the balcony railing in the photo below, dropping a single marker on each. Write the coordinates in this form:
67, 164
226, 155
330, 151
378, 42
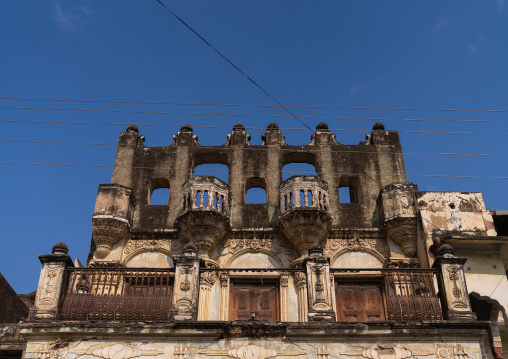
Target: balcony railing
303, 191
206, 193
126, 294
118, 294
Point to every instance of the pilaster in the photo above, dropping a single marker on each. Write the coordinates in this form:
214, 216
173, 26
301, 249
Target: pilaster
452, 285
301, 289
318, 286
185, 292
48, 299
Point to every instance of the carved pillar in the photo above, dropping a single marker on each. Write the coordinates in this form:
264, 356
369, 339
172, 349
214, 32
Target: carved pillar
224, 295
452, 285
332, 287
301, 289
284, 297
318, 286
185, 291
51, 283
206, 282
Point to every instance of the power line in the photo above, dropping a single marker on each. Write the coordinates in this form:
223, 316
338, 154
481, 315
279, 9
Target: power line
274, 149
244, 171
232, 64
250, 105
248, 115
251, 128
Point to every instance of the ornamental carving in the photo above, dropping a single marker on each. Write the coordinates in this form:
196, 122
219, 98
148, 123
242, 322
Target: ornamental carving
106, 233
251, 352
300, 278
335, 246
305, 227
62, 349
148, 245
208, 278
403, 232
185, 285
204, 229
386, 351
275, 245
118, 351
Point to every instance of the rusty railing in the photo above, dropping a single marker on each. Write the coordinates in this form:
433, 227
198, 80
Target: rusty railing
118, 294
411, 295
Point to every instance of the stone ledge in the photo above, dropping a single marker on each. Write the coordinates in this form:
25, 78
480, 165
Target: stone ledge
237, 329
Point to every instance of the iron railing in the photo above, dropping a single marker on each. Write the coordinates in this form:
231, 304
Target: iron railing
411, 295
145, 294
118, 294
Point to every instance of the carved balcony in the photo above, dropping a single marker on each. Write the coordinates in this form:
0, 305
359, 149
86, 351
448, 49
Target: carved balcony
112, 216
397, 214
304, 215
204, 218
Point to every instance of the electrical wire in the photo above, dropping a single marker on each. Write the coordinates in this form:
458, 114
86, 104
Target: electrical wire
379, 119
260, 106
232, 64
243, 171
251, 128
273, 149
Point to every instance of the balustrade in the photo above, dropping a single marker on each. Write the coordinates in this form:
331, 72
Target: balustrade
205, 193
303, 191
123, 294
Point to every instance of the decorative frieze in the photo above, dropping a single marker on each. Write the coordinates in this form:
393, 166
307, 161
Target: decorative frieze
335, 247
148, 245
251, 352
254, 242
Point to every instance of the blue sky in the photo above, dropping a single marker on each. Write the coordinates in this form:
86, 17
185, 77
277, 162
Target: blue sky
428, 54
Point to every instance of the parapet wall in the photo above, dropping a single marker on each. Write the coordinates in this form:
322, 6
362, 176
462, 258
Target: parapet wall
365, 167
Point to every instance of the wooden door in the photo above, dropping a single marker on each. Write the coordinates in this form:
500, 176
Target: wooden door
359, 302
245, 298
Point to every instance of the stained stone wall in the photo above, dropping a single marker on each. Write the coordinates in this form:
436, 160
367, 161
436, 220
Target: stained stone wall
257, 342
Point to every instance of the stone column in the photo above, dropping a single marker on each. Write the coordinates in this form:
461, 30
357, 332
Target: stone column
452, 285
224, 296
51, 283
318, 286
284, 297
206, 281
301, 289
186, 286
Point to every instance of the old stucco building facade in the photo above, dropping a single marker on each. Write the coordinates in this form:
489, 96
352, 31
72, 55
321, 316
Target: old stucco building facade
390, 272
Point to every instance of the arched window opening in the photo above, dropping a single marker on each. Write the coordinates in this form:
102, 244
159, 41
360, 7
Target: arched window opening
255, 195
298, 169
349, 190
302, 198
159, 192
212, 169
255, 190
205, 199
309, 199
198, 199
